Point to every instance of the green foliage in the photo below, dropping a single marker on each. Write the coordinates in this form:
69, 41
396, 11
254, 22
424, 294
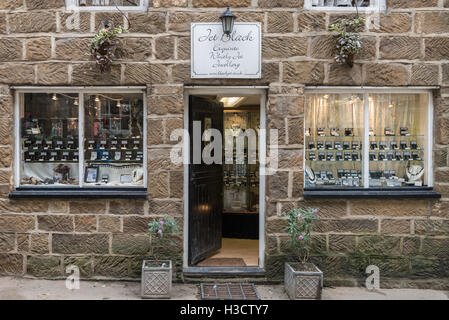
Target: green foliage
104, 45
160, 232
299, 227
349, 40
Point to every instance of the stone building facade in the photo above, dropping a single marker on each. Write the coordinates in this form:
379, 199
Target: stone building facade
406, 46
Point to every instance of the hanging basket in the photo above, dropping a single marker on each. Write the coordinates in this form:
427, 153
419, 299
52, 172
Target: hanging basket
104, 47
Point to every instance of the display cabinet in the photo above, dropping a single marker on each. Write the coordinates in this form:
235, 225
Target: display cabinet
241, 169
81, 139
367, 140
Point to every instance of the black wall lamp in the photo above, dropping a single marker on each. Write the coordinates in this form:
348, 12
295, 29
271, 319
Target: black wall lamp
227, 20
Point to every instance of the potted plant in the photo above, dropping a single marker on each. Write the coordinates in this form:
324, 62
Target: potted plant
157, 274
348, 40
302, 280
104, 46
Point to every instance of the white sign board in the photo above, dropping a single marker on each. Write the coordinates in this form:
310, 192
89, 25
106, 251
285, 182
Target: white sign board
216, 55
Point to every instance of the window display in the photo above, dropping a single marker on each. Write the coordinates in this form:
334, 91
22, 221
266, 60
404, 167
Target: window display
334, 143
111, 139
394, 130
49, 139
399, 122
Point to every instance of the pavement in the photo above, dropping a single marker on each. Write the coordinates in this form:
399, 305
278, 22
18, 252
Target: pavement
14, 288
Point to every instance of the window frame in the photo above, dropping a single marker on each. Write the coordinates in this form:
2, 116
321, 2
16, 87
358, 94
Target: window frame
72, 5
366, 91
379, 5
81, 91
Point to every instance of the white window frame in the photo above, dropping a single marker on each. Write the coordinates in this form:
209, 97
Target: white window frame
72, 5
366, 91
375, 5
81, 91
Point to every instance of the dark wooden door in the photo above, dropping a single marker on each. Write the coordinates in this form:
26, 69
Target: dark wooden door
205, 183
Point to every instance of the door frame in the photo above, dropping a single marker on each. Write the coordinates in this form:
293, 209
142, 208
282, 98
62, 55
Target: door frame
230, 91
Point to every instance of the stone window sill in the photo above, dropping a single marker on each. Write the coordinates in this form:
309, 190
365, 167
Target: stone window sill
85, 193
374, 193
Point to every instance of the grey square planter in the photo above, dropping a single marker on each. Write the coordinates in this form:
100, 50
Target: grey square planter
303, 284
156, 279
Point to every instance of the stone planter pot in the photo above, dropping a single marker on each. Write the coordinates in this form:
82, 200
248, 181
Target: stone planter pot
303, 281
156, 279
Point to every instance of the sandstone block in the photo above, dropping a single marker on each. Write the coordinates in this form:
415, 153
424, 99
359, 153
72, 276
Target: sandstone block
108, 224
85, 224
393, 23
130, 244
277, 185
38, 49
11, 263
386, 74
280, 22
16, 223
80, 243
31, 22
432, 22
52, 74
7, 242
55, 223
391, 226
393, 208
311, 21
304, 72
275, 47
39, 243
127, 207
10, 49
73, 49
151, 22
89, 74
87, 207
44, 266
394, 48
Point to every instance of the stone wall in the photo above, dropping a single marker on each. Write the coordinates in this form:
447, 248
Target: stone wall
407, 45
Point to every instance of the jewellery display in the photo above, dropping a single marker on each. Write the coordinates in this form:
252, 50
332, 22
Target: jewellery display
241, 179
387, 140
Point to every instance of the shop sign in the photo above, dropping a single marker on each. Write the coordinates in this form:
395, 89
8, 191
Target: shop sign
216, 55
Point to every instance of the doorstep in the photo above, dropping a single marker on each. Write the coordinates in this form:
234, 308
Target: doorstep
224, 271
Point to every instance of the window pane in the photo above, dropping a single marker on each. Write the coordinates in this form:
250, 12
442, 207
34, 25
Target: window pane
49, 140
106, 3
397, 139
339, 3
334, 135
113, 140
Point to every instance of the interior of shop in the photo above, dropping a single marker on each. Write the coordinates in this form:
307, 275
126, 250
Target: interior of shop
240, 217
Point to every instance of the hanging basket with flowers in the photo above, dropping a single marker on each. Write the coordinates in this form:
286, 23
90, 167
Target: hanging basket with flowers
104, 46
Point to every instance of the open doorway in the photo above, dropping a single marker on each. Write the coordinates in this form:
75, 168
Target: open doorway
224, 199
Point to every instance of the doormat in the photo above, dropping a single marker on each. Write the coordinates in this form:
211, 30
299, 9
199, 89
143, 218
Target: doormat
222, 262
229, 291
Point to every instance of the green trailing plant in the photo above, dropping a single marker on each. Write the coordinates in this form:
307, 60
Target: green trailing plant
299, 227
161, 231
348, 39
104, 46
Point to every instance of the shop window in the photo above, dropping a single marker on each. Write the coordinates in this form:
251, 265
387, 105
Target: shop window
107, 5
368, 140
345, 5
81, 139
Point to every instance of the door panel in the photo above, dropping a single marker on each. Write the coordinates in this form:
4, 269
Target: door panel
205, 185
